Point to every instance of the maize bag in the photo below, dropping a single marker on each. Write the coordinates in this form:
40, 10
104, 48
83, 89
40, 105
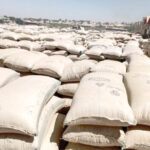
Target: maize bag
52, 66
45, 127
22, 101
75, 71
94, 98
74, 146
68, 89
138, 137
109, 66
138, 85
7, 75
23, 61
100, 136
138, 63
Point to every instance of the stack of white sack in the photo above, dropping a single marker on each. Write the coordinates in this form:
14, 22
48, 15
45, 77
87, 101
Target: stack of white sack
31, 46
98, 112
138, 85
101, 52
8, 52
65, 47
52, 66
27, 114
71, 77
21, 60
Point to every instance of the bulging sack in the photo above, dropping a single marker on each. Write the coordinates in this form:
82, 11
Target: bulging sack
75, 71
68, 89
132, 48
23, 61
31, 46
112, 52
22, 101
8, 52
138, 137
54, 133
95, 52
4, 43
74, 146
138, 85
101, 90
109, 66
7, 75
46, 130
52, 66
100, 136
138, 63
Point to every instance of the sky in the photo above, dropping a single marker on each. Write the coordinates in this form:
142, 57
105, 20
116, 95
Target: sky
95, 10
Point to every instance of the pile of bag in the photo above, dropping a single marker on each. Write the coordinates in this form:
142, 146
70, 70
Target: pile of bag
137, 82
98, 112
28, 112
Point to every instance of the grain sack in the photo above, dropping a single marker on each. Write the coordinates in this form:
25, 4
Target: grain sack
102, 41
138, 63
27, 37
61, 52
109, 66
23, 61
112, 52
95, 135
68, 89
75, 71
131, 49
22, 101
73, 57
67, 105
52, 66
46, 37
52, 138
74, 146
47, 122
23, 142
9, 36
138, 137
83, 56
7, 75
50, 45
48, 52
4, 43
64, 44
31, 46
95, 52
138, 85
76, 49
8, 52
101, 90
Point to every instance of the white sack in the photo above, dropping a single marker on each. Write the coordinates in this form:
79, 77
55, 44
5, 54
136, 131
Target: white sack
109, 66
68, 89
22, 101
23, 61
52, 66
7, 75
95, 135
75, 71
74, 146
101, 90
138, 85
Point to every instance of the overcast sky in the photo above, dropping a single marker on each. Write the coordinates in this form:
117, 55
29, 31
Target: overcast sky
96, 10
